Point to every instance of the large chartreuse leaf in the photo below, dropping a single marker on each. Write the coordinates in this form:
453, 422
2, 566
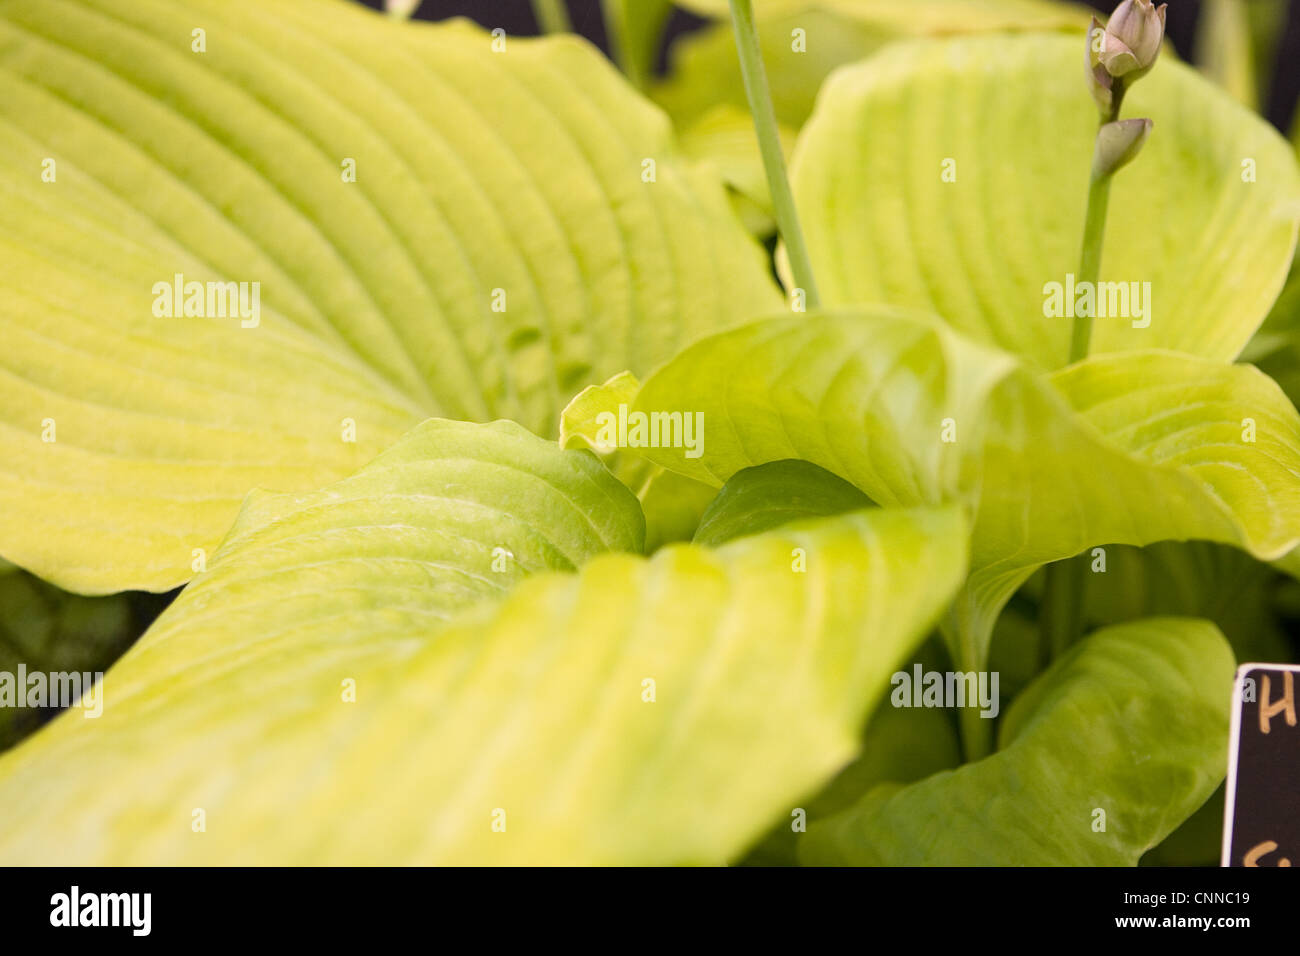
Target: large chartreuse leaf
802, 42
638, 711
520, 225
1207, 215
1145, 701
1130, 448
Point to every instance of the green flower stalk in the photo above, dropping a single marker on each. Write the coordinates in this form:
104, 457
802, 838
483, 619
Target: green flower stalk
769, 143
1118, 54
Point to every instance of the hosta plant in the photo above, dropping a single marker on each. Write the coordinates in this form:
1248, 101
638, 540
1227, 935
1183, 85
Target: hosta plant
528, 509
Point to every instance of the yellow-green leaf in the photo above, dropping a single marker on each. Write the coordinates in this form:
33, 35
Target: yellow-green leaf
1129, 448
973, 203
639, 711
436, 228
1145, 702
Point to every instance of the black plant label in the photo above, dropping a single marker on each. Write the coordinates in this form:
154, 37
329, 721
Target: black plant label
1262, 812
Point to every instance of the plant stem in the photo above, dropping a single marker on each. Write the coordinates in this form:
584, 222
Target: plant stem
962, 639
976, 733
552, 16
1094, 230
769, 144
1062, 608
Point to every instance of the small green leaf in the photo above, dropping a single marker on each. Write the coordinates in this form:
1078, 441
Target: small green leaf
1148, 704
973, 206
579, 427
758, 499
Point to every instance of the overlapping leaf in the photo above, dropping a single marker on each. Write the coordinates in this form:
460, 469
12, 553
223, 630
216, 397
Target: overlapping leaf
1145, 701
759, 499
1130, 448
639, 711
503, 244
974, 201
802, 42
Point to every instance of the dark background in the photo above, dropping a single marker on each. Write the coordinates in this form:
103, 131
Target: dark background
1184, 16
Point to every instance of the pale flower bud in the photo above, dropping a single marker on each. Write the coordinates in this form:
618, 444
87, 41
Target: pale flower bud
1118, 144
1132, 39
1100, 83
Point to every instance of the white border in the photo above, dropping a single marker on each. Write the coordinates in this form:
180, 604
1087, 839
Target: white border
1229, 803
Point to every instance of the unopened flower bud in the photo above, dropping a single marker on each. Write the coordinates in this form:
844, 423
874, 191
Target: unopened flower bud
1118, 144
1132, 39
1100, 83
